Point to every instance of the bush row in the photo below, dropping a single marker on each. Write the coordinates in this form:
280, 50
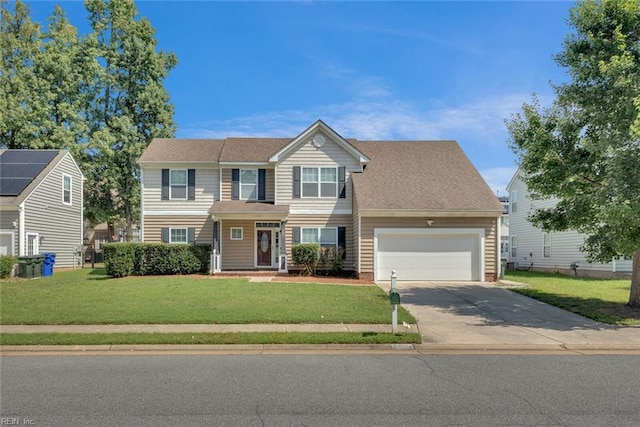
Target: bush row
140, 259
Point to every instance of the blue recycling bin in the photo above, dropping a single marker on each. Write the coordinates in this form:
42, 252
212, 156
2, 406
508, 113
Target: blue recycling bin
47, 266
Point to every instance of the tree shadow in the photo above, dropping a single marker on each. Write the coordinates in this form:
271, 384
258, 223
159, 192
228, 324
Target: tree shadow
497, 307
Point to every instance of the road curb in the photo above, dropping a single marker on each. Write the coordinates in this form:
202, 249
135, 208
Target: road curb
226, 349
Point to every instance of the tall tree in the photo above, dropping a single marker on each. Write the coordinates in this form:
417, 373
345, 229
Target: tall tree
131, 106
20, 44
585, 149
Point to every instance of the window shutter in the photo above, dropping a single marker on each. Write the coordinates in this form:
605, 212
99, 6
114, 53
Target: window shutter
342, 187
165, 234
296, 182
296, 235
342, 241
191, 183
191, 235
235, 184
262, 184
165, 184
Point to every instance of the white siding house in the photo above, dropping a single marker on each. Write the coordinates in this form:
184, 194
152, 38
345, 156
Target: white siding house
529, 246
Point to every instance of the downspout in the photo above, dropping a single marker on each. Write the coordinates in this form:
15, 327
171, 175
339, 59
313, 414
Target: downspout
21, 235
499, 248
141, 225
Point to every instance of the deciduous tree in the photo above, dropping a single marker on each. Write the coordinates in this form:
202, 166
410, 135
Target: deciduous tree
584, 150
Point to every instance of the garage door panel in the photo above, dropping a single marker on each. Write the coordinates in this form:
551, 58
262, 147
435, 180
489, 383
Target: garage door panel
428, 257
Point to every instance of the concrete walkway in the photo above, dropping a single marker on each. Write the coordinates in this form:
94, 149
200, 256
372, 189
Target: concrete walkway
195, 328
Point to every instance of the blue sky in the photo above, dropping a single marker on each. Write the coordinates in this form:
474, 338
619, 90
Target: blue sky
370, 70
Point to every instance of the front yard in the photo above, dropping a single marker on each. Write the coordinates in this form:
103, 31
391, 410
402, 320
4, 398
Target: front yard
87, 296
599, 299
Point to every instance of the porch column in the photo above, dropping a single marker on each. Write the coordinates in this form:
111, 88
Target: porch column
282, 258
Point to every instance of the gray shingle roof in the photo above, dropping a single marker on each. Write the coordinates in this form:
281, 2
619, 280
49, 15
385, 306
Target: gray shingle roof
421, 175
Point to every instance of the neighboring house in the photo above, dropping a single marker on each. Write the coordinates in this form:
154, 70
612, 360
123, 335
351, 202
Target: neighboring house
41, 206
555, 251
504, 227
417, 207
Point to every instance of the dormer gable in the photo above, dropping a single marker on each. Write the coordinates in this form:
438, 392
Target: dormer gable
317, 134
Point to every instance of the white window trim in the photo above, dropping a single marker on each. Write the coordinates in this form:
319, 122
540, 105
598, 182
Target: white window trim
186, 235
319, 233
186, 184
231, 230
513, 247
319, 183
36, 244
70, 202
513, 201
240, 185
544, 255
13, 241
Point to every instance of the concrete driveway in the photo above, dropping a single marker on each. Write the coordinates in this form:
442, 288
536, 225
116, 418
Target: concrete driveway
484, 314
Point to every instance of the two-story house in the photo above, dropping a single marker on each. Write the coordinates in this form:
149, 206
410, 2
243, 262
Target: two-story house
41, 205
417, 207
532, 247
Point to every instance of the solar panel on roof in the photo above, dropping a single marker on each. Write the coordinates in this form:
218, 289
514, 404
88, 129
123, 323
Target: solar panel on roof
28, 156
19, 167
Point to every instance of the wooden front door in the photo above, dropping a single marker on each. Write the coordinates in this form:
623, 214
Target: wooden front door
263, 248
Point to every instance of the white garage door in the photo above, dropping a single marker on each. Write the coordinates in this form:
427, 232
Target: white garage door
421, 255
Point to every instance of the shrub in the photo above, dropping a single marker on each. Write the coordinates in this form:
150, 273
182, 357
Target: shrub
306, 255
6, 265
331, 261
124, 259
118, 258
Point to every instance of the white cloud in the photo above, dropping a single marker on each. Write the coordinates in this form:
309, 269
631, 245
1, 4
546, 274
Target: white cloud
498, 178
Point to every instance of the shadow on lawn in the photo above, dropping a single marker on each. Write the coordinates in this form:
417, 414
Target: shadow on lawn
487, 306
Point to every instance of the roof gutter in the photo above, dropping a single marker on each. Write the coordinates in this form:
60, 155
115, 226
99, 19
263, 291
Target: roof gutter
416, 213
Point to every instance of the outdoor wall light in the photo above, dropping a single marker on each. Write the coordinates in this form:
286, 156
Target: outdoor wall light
429, 222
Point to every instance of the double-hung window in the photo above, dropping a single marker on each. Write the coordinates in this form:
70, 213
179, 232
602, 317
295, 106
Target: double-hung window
178, 235
66, 189
178, 184
319, 182
326, 237
513, 199
546, 245
248, 184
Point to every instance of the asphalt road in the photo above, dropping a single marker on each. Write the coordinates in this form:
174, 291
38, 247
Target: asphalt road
335, 390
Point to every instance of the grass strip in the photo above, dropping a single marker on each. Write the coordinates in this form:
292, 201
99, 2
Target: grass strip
604, 300
210, 338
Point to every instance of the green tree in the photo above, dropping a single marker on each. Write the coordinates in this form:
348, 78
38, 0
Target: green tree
131, 106
20, 44
584, 150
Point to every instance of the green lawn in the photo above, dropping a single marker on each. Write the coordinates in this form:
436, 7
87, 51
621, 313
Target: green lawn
87, 296
599, 299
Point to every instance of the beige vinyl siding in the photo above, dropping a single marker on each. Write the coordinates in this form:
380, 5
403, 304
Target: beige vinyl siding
59, 226
321, 221
306, 154
207, 189
237, 254
370, 223
203, 227
564, 245
227, 179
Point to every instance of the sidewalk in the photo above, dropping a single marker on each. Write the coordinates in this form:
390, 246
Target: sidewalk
196, 328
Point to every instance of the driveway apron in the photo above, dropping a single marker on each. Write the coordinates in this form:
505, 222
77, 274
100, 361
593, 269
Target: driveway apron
475, 313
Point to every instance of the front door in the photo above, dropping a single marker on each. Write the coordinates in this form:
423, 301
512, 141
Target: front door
263, 248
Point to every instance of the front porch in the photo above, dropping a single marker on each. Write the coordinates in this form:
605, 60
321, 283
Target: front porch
249, 237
